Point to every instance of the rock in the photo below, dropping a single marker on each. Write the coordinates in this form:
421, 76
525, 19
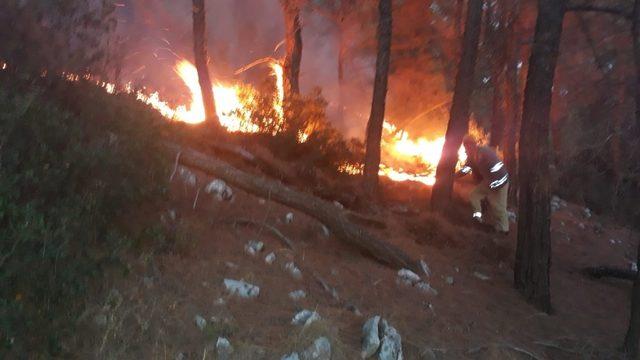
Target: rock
220, 302
100, 320
269, 259
253, 247
288, 219
449, 280
187, 176
224, 348
292, 356
407, 277
428, 354
241, 288
201, 322
370, 337
319, 350
181, 356
305, 317
219, 189
262, 201
598, 228
425, 268
354, 309
231, 265
634, 266
391, 343
338, 205
325, 231
426, 288
586, 212
293, 270
297, 295
481, 276
582, 226
512, 216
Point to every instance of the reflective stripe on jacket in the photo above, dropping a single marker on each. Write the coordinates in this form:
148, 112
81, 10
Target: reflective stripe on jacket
488, 166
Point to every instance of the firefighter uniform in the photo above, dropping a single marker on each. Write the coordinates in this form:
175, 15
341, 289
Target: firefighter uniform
493, 185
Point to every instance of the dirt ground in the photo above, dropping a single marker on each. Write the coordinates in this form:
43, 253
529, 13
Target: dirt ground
149, 312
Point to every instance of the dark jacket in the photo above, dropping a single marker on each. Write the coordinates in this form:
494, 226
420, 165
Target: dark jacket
486, 165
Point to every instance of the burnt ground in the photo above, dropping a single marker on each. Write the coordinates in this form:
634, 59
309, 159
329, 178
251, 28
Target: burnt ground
148, 310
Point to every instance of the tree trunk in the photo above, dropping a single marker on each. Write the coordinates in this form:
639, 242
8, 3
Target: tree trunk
342, 50
202, 60
633, 332
497, 35
512, 101
459, 117
325, 212
533, 252
293, 40
376, 119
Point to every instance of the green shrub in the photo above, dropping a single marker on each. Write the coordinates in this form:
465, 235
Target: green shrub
68, 175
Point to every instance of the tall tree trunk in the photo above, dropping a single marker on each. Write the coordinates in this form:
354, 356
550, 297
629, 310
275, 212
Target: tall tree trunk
342, 51
533, 252
633, 332
293, 40
376, 119
202, 60
497, 36
512, 100
458, 17
459, 117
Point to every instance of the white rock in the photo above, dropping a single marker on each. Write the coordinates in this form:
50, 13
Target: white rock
187, 176
305, 317
407, 277
370, 337
338, 205
220, 189
231, 265
391, 344
325, 231
449, 280
288, 219
481, 276
297, 295
201, 322
262, 201
582, 226
253, 247
426, 288
292, 356
224, 348
319, 350
241, 288
634, 266
586, 212
293, 270
269, 259
425, 268
512, 216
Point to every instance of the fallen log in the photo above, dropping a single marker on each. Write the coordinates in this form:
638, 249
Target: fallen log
327, 213
605, 271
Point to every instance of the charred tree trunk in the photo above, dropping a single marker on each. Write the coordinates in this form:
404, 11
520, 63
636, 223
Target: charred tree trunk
376, 119
633, 332
202, 60
342, 51
293, 40
459, 118
512, 101
533, 252
498, 43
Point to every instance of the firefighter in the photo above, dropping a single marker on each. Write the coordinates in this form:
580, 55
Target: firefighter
493, 183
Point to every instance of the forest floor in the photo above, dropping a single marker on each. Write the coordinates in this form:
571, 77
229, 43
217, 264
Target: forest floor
476, 314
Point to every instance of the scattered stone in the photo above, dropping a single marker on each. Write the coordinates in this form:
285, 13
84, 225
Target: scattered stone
449, 280
391, 343
598, 228
253, 247
224, 348
292, 356
220, 301
201, 322
582, 226
220, 189
481, 276
338, 205
305, 317
187, 176
586, 212
319, 350
297, 295
262, 201
293, 270
354, 309
181, 356
325, 231
288, 219
241, 288
370, 337
269, 259
634, 266
425, 268
562, 223
407, 277
426, 288
231, 265
512, 216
